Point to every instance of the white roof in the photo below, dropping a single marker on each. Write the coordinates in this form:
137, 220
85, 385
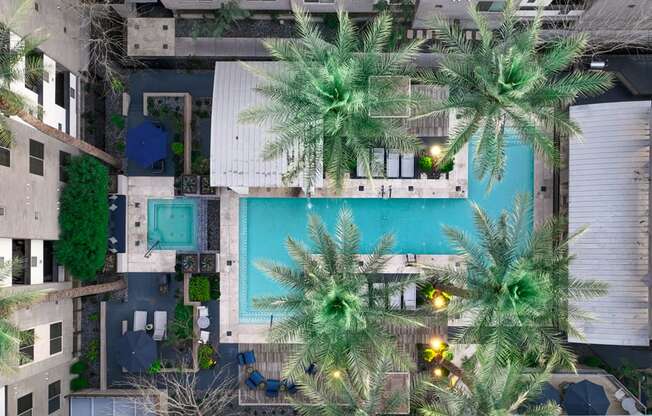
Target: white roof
236, 148
609, 192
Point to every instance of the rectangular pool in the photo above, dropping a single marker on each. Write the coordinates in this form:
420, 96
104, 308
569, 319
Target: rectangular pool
416, 223
172, 223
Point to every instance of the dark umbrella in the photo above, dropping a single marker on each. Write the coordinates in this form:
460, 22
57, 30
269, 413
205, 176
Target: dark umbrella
585, 398
136, 351
147, 144
548, 394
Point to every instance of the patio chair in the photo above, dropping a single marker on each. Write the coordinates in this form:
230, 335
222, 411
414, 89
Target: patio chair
140, 320
410, 296
407, 165
393, 163
160, 325
378, 164
273, 387
255, 379
204, 336
202, 310
247, 358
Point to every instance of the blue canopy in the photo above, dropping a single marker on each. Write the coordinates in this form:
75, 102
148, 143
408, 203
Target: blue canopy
136, 351
147, 144
548, 394
585, 398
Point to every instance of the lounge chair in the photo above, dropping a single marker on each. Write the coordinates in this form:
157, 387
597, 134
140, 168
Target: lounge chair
246, 358
378, 162
254, 380
379, 293
140, 320
410, 296
410, 260
407, 165
160, 325
202, 310
393, 164
360, 170
395, 300
273, 387
204, 336
125, 328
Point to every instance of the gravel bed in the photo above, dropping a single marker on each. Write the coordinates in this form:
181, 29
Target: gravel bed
247, 28
213, 226
90, 335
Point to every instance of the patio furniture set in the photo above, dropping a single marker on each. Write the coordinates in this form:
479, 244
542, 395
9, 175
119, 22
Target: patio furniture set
203, 322
407, 299
137, 348
256, 380
389, 163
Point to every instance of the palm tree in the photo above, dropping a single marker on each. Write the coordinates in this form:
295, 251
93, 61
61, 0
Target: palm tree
486, 391
344, 393
9, 303
329, 308
510, 80
328, 101
515, 286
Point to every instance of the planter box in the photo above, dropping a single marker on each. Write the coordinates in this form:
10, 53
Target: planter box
205, 186
110, 263
189, 262
207, 263
189, 184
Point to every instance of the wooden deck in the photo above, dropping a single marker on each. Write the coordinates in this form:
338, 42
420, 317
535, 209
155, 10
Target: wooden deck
270, 359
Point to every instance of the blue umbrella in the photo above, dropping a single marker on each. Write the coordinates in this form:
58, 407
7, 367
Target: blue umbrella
585, 398
147, 144
136, 351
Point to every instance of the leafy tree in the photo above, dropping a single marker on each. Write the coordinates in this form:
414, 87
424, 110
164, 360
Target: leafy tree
329, 307
326, 105
344, 393
9, 303
84, 218
18, 62
515, 286
510, 79
486, 391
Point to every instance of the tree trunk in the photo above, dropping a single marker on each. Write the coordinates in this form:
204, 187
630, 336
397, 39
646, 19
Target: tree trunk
80, 291
456, 371
451, 290
61, 136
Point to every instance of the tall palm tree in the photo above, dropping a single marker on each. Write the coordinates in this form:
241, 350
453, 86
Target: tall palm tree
9, 303
510, 80
486, 391
344, 393
515, 286
327, 101
329, 308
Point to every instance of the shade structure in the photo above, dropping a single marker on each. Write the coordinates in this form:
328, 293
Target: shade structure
136, 351
147, 144
585, 398
548, 394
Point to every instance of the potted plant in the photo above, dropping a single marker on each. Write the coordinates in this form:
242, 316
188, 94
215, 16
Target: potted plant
189, 184
426, 164
446, 168
189, 263
207, 263
205, 187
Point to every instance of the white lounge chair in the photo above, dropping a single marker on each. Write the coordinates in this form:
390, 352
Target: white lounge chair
393, 163
360, 170
410, 296
202, 310
379, 292
140, 320
125, 328
395, 300
160, 325
407, 165
204, 336
378, 165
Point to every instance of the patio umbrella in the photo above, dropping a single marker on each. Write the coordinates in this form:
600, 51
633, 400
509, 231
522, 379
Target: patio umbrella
585, 398
146, 144
548, 394
136, 351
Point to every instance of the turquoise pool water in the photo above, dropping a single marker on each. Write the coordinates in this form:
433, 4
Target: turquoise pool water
173, 223
415, 223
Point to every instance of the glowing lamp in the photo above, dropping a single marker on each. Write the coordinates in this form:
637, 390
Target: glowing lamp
438, 372
435, 151
454, 380
337, 374
436, 344
439, 302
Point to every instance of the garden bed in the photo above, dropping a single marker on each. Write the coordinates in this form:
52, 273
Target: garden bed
90, 340
189, 263
213, 226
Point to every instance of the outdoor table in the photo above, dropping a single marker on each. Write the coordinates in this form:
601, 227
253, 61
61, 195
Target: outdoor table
203, 322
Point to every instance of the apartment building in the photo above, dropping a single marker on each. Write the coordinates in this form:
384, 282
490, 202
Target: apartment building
32, 172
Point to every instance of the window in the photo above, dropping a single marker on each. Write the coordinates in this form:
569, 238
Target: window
26, 347
64, 161
55, 338
32, 73
59, 89
36, 153
54, 397
25, 405
490, 6
5, 156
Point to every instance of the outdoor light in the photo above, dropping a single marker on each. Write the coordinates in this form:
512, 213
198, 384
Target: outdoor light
437, 344
435, 150
454, 380
438, 372
439, 302
337, 374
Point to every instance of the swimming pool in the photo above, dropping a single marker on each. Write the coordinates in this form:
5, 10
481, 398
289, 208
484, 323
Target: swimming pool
415, 223
172, 223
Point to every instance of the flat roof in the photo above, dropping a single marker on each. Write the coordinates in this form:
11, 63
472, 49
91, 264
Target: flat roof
609, 191
236, 159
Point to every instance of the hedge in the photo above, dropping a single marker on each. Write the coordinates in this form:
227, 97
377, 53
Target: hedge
84, 218
79, 383
199, 289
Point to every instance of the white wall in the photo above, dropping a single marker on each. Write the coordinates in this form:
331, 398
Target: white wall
3, 405
72, 108
53, 115
6, 252
36, 272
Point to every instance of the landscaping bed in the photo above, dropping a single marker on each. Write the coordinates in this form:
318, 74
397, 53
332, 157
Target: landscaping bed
90, 340
213, 226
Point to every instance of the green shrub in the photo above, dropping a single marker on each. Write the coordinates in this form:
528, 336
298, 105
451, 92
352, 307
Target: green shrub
177, 148
155, 368
182, 326
215, 288
426, 163
199, 289
447, 167
200, 165
205, 356
591, 361
92, 351
83, 218
118, 120
78, 368
331, 21
79, 383
120, 146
